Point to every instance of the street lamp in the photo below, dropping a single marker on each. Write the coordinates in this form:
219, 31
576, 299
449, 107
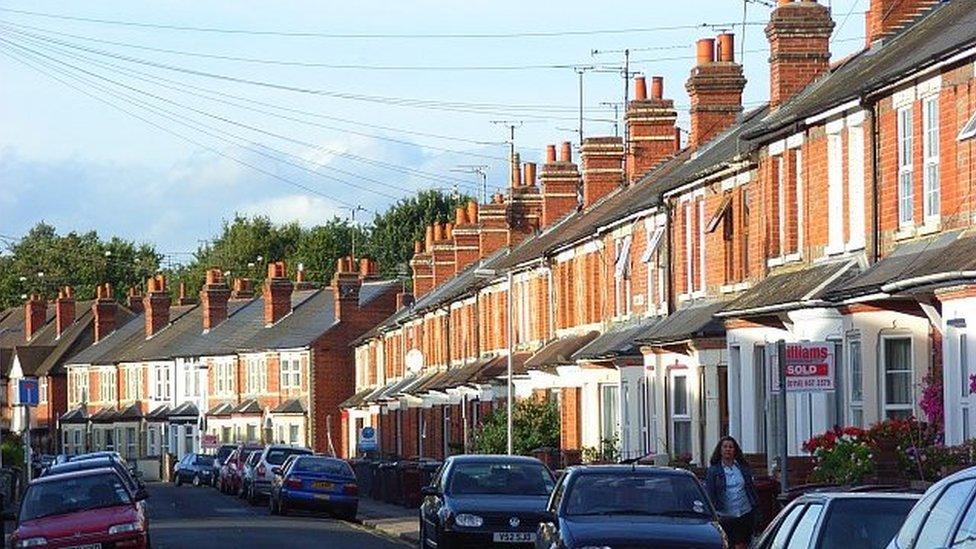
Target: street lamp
493, 273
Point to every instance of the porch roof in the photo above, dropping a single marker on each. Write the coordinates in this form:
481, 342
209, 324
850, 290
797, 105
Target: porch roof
792, 290
357, 399
31, 357
498, 366
619, 340
76, 415
105, 415
290, 406
160, 413
249, 406
458, 376
948, 258
187, 409
559, 351
222, 409
696, 320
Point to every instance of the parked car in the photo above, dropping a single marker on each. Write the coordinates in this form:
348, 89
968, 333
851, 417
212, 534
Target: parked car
260, 475
629, 506
838, 520
944, 517
194, 468
223, 452
101, 453
135, 484
87, 508
477, 500
314, 482
247, 474
230, 471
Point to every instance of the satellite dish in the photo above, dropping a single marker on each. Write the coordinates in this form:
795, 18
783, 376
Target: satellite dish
415, 360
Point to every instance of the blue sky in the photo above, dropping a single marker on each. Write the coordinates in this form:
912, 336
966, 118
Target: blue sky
77, 162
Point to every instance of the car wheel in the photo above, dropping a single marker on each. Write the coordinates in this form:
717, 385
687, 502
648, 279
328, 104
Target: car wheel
282, 507
271, 505
252, 498
196, 480
178, 480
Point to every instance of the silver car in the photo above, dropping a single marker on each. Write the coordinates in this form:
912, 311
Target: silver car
260, 475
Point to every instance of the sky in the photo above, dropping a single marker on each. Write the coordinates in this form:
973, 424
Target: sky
156, 122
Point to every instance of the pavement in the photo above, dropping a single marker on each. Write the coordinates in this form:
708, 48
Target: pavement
203, 517
392, 520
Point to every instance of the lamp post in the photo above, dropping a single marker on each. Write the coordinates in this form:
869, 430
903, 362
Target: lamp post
510, 343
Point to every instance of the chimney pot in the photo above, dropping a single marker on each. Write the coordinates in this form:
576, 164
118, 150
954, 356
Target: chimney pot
365, 267
516, 171
550, 154
340, 264
35, 313
460, 216
472, 212
64, 309
726, 47
657, 88
429, 237
418, 247
640, 88
528, 174
498, 198
706, 51
438, 232
566, 152
448, 231
103, 313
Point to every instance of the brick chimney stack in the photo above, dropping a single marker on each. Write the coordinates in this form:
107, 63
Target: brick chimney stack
715, 89
603, 167
560, 185
886, 17
493, 218
420, 264
466, 248
103, 311
650, 126
301, 283
368, 269
525, 206
799, 47
64, 309
134, 299
443, 253
183, 298
243, 289
276, 293
346, 284
35, 313
213, 298
156, 305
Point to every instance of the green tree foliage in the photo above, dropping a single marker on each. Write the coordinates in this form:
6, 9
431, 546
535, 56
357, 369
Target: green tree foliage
393, 233
42, 261
534, 425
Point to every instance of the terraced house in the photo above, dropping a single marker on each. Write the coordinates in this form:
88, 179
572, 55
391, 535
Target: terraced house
646, 287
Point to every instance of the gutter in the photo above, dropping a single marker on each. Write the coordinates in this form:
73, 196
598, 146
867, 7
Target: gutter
927, 279
802, 304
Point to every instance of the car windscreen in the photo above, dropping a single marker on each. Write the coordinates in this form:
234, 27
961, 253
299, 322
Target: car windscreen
499, 478
277, 456
324, 466
223, 452
70, 495
864, 523
618, 493
205, 460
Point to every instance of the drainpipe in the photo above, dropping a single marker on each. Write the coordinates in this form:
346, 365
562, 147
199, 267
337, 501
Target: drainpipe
669, 282
875, 160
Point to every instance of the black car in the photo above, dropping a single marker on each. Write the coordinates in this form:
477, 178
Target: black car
478, 500
629, 506
194, 468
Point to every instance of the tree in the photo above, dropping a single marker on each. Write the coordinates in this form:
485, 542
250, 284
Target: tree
42, 261
393, 233
534, 425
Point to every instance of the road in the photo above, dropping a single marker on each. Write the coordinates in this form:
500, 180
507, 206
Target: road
202, 517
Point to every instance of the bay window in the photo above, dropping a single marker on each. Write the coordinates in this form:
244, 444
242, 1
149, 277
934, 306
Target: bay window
906, 198
930, 155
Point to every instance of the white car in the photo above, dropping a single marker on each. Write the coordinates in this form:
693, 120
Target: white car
262, 474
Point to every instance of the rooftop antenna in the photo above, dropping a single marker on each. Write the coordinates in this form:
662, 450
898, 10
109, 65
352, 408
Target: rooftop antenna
481, 170
512, 125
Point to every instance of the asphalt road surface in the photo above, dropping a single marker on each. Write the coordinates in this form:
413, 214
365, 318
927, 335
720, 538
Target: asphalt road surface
204, 518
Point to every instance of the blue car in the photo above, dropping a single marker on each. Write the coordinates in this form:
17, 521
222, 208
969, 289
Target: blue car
194, 468
315, 483
629, 506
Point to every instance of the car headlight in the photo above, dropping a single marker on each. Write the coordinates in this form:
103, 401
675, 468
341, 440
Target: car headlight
468, 520
31, 542
125, 527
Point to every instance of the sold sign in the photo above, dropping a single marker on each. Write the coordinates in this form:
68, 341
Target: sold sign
809, 367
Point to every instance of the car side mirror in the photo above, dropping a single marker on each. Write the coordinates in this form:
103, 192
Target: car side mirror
276, 471
141, 494
430, 491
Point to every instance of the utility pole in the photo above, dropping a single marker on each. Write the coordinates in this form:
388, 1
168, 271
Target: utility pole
580, 71
616, 115
354, 229
512, 125
481, 170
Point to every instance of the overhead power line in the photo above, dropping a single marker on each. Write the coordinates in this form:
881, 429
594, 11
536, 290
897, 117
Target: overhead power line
309, 34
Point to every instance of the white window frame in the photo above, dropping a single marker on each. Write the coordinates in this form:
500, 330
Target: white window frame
42, 390
781, 175
932, 201
855, 380
906, 172
855, 187
701, 245
106, 385
689, 249
613, 414
884, 372
835, 193
291, 373
966, 398
968, 130
684, 417
800, 237
161, 377
188, 371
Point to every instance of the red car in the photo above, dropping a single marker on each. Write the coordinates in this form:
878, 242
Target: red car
89, 508
230, 472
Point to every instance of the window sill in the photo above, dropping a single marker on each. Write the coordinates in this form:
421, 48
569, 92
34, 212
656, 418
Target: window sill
834, 250
931, 226
734, 287
904, 233
854, 246
683, 297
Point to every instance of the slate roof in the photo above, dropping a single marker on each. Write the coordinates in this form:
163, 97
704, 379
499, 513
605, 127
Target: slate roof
223, 409
105, 415
391, 389
692, 321
12, 326
944, 254
357, 399
76, 415
290, 406
31, 357
249, 406
950, 27
133, 411
458, 376
498, 367
806, 286
161, 413
559, 351
184, 410
619, 340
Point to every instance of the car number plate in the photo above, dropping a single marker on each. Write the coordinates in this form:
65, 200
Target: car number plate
322, 485
324, 497
88, 546
514, 537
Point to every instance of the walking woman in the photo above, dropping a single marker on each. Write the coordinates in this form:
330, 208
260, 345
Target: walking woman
729, 484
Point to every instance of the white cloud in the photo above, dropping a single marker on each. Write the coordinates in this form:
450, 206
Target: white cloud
307, 210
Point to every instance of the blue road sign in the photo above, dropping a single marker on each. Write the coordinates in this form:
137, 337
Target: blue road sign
367, 440
28, 391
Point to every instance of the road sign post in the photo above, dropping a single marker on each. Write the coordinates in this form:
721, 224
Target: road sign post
28, 395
